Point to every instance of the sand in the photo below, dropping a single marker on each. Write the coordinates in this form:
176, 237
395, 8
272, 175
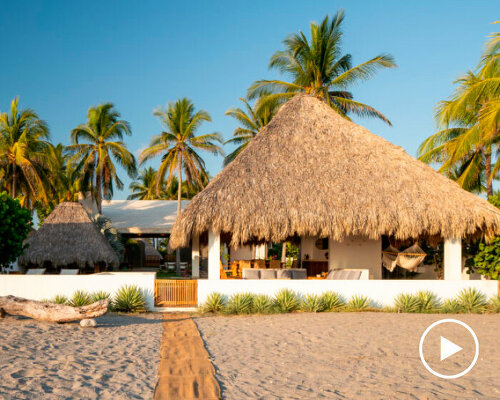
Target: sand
344, 356
116, 360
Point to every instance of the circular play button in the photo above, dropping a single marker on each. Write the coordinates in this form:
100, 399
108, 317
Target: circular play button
449, 348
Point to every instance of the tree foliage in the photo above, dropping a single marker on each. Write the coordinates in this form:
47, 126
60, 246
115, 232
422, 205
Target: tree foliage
14, 228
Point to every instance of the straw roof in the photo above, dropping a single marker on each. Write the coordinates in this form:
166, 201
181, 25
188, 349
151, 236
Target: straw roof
68, 236
311, 172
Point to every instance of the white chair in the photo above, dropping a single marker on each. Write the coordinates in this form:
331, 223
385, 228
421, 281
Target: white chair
69, 271
170, 266
183, 265
35, 271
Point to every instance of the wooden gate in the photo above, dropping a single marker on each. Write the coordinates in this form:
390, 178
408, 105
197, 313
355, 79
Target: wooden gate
176, 293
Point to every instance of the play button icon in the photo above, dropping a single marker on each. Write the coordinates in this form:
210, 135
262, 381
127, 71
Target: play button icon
448, 348
440, 352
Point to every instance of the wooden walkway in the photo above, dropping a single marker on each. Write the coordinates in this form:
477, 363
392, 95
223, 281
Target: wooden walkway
185, 370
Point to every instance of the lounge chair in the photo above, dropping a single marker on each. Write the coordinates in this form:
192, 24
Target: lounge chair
348, 274
170, 266
36, 271
69, 271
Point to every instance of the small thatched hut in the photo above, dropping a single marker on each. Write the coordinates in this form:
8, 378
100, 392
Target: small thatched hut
313, 173
68, 237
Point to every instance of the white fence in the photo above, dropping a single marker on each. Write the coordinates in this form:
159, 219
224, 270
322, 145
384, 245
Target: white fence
382, 292
37, 287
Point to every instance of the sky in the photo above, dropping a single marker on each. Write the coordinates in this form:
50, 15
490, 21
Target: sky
61, 57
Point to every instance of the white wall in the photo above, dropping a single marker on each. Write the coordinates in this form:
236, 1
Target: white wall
356, 252
382, 292
308, 246
38, 287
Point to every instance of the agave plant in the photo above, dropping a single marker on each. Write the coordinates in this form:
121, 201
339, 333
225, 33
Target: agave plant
494, 305
286, 300
450, 306
332, 301
428, 302
358, 303
100, 295
472, 300
262, 304
79, 299
129, 298
406, 303
60, 299
215, 303
240, 303
312, 303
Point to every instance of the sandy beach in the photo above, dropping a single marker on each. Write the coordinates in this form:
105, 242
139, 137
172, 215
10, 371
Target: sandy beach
116, 360
341, 356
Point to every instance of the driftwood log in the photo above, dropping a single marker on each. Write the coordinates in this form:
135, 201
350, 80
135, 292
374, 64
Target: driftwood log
49, 311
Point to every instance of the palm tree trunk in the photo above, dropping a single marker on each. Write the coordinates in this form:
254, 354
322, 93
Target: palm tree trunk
283, 253
98, 183
14, 179
179, 195
489, 181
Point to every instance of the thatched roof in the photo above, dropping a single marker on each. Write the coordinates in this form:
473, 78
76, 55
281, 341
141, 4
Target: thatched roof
68, 236
311, 172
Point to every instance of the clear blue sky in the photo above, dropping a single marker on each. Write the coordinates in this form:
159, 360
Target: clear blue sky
61, 57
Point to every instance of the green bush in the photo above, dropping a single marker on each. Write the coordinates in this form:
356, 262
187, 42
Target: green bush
450, 306
312, 303
472, 300
406, 303
129, 298
428, 302
15, 223
262, 304
494, 305
286, 300
100, 295
240, 303
487, 260
215, 303
358, 303
332, 301
79, 299
60, 299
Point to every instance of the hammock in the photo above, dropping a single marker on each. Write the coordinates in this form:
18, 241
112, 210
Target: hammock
409, 258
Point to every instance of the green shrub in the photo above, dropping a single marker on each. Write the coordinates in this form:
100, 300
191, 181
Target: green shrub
44, 301
450, 306
262, 304
240, 303
428, 302
286, 300
100, 295
332, 301
129, 298
312, 303
472, 300
487, 260
358, 303
215, 303
79, 299
406, 303
15, 225
494, 305
60, 299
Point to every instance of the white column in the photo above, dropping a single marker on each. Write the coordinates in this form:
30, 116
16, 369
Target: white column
260, 251
213, 255
452, 259
195, 256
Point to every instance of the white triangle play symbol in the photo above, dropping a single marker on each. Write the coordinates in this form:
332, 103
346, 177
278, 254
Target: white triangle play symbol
448, 348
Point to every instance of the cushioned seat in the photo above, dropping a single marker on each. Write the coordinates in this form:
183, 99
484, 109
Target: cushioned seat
299, 273
284, 274
250, 273
345, 274
268, 274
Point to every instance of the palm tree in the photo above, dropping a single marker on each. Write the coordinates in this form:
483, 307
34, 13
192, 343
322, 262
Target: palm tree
144, 186
177, 146
318, 67
252, 120
103, 145
470, 128
24, 154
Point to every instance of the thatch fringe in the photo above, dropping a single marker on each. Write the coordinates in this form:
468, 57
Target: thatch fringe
311, 172
68, 236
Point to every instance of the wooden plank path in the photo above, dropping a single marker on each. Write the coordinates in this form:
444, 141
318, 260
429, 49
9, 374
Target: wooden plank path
185, 370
